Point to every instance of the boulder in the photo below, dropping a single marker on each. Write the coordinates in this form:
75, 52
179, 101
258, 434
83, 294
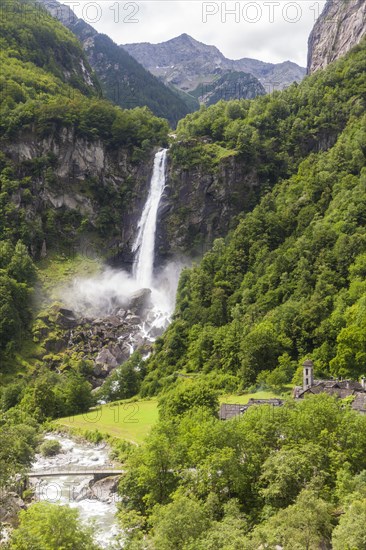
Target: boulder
133, 319
113, 320
67, 312
105, 358
121, 313
139, 301
120, 352
66, 322
56, 345
66, 318
10, 506
101, 490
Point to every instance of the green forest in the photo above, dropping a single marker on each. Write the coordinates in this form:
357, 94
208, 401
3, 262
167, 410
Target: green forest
288, 283
292, 476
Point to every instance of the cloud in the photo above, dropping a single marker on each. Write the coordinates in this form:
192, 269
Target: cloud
270, 30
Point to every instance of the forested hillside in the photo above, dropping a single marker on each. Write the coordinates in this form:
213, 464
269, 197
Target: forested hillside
290, 477
53, 124
288, 282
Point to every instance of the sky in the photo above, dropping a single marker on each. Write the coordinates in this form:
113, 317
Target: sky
269, 30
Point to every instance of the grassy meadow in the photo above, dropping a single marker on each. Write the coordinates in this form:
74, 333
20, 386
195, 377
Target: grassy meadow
132, 420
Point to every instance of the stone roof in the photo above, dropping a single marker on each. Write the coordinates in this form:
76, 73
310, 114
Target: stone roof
351, 384
340, 388
359, 403
339, 392
229, 410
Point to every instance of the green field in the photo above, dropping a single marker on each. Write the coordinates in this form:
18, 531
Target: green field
243, 399
133, 420
128, 420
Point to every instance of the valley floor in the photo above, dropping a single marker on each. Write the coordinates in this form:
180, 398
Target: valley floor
132, 420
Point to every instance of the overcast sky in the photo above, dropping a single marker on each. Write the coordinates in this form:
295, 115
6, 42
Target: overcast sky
272, 30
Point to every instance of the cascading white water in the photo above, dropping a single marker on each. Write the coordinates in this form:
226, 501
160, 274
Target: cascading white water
144, 245
110, 292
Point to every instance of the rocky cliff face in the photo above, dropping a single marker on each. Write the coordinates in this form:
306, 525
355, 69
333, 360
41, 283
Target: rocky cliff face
341, 26
200, 203
91, 197
82, 191
187, 63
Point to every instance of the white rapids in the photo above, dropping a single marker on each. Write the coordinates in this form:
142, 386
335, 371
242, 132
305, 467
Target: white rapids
72, 490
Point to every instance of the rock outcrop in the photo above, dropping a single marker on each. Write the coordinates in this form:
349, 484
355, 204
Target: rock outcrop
341, 26
84, 188
139, 301
103, 490
10, 506
200, 204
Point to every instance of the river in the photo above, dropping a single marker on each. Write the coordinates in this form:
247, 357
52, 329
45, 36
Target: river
73, 490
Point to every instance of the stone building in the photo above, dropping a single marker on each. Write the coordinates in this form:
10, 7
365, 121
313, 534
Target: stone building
229, 410
335, 387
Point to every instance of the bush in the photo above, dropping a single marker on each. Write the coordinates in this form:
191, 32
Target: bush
46, 526
51, 447
186, 396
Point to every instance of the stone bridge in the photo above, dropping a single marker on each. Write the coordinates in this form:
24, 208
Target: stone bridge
97, 473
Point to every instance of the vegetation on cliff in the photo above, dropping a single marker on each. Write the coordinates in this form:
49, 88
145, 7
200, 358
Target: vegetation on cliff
50, 98
288, 282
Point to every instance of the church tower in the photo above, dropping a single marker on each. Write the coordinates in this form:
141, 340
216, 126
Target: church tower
308, 374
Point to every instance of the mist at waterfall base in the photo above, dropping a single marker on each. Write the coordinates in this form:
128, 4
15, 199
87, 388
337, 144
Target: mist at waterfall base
111, 290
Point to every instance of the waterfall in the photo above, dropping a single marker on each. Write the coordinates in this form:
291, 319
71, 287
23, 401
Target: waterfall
144, 245
113, 291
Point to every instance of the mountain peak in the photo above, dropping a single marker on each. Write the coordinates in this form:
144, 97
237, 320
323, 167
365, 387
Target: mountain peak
186, 63
188, 40
184, 36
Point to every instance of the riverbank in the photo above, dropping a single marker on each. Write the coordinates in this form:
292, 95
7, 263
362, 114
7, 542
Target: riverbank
96, 501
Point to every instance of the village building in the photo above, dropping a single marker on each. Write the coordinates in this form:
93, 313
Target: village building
336, 387
228, 410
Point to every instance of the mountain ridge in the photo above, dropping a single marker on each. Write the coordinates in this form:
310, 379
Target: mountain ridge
175, 61
123, 79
